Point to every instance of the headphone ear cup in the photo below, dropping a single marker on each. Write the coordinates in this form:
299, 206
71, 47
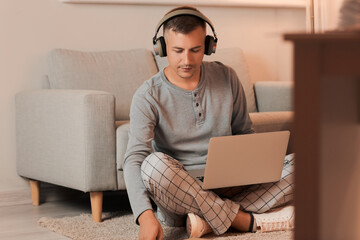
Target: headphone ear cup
161, 47
210, 45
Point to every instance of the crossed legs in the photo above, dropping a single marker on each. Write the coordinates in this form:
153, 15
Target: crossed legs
176, 194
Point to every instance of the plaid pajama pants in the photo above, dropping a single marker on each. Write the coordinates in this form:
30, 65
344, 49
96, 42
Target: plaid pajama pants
176, 193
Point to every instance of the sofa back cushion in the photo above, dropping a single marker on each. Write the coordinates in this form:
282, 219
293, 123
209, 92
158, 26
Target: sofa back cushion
117, 72
233, 57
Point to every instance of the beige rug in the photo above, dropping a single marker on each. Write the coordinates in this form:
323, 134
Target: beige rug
120, 226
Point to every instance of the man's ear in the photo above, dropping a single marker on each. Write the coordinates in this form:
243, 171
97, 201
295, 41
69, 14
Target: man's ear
161, 45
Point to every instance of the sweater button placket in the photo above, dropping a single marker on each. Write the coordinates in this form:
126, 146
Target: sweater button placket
198, 109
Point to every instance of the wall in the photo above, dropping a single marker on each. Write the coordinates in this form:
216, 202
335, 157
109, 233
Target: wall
30, 29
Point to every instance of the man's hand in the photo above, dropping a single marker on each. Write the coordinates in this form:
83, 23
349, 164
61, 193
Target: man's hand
150, 228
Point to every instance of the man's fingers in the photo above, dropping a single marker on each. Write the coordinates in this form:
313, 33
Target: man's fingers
160, 235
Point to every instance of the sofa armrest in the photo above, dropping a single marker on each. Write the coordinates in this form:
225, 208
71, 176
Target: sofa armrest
274, 121
67, 138
274, 96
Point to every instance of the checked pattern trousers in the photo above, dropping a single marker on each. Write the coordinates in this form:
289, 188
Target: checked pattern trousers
176, 193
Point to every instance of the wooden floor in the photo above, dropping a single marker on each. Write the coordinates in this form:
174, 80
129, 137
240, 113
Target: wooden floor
18, 217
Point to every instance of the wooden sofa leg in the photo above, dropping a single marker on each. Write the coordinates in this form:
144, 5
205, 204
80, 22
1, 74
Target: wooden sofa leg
35, 192
96, 199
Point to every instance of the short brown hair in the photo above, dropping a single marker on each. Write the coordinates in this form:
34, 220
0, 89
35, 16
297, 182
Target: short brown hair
184, 23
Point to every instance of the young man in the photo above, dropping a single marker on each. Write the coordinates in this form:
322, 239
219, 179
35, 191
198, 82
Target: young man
173, 115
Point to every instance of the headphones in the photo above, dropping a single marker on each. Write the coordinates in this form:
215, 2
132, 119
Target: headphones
159, 43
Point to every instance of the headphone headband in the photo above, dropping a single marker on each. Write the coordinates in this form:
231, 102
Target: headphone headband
181, 12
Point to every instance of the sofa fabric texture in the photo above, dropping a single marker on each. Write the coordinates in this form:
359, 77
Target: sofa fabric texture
67, 137
117, 72
267, 101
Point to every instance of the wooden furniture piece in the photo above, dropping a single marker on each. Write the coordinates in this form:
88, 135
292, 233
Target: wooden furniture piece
326, 74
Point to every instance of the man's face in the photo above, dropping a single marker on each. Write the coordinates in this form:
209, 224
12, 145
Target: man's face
185, 53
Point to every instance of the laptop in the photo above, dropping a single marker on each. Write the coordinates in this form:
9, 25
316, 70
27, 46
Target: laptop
243, 160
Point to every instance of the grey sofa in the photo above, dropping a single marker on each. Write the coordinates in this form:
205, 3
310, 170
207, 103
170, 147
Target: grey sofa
74, 132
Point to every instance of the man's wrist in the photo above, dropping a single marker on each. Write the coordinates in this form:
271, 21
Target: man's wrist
146, 215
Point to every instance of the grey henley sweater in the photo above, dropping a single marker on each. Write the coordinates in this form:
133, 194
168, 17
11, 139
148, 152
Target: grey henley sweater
165, 118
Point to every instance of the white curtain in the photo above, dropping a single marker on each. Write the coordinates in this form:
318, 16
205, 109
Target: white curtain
326, 14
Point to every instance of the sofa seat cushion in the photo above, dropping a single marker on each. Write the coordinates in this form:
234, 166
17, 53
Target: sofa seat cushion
117, 72
122, 138
233, 57
274, 121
